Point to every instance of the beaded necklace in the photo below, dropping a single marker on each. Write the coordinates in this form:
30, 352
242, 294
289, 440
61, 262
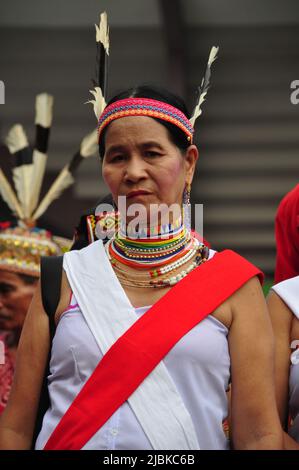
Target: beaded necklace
150, 249
155, 255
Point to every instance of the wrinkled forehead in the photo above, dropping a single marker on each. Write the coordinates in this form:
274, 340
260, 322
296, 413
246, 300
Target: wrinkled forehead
137, 128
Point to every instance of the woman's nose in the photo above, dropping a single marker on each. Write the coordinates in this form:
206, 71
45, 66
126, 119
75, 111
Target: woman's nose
135, 169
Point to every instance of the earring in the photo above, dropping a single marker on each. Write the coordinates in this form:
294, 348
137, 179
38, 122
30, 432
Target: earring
187, 207
114, 206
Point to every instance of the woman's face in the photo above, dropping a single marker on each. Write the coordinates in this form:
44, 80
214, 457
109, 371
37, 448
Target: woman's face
15, 298
139, 156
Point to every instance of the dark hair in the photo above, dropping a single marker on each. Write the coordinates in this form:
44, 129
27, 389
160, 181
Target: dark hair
177, 136
29, 280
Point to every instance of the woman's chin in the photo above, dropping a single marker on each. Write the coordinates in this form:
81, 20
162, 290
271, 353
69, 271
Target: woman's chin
149, 213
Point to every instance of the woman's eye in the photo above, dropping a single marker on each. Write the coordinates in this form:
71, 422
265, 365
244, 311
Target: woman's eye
152, 153
117, 158
5, 289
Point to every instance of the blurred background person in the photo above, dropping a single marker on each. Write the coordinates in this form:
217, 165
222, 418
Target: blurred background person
20, 251
283, 304
287, 236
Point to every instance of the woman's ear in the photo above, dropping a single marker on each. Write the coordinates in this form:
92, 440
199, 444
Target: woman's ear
191, 157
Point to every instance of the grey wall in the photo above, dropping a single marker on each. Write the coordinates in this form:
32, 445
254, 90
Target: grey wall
140, 13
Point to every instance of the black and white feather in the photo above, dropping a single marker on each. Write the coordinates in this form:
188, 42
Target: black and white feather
18, 146
43, 122
100, 91
102, 42
65, 179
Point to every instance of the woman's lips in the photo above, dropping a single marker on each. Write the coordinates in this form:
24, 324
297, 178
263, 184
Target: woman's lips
137, 193
4, 317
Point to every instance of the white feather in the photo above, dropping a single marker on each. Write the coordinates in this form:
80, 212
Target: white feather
62, 182
22, 180
89, 144
213, 55
102, 32
98, 103
44, 109
16, 139
8, 195
197, 110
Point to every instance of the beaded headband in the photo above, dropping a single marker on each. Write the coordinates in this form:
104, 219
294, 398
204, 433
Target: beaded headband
145, 107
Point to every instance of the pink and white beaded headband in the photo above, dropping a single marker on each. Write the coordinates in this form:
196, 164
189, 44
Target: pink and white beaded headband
145, 107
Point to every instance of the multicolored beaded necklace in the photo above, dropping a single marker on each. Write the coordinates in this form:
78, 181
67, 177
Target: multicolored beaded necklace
155, 252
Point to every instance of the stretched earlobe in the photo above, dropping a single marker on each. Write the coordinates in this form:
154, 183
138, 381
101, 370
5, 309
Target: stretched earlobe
186, 209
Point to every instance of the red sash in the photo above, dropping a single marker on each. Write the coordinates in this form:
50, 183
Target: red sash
136, 353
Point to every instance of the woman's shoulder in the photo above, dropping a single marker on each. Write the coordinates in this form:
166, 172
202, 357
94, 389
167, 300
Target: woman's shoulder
249, 290
65, 294
287, 290
239, 306
234, 269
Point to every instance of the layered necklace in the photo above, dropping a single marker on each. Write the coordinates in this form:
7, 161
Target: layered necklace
158, 254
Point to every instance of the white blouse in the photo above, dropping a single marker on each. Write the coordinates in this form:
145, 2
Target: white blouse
288, 291
199, 365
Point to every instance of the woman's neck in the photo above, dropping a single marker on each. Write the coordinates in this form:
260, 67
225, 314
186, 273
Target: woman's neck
164, 230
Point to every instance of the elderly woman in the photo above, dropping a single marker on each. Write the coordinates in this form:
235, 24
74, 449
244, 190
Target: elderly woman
151, 326
284, 311
20, 253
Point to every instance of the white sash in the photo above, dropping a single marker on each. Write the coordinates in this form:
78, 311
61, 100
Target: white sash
108, 313
288, 291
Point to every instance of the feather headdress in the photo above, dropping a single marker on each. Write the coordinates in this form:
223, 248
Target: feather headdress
30, 167
22, 244
204, 86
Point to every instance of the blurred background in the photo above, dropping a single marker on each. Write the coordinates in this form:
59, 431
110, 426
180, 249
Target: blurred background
248, 135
